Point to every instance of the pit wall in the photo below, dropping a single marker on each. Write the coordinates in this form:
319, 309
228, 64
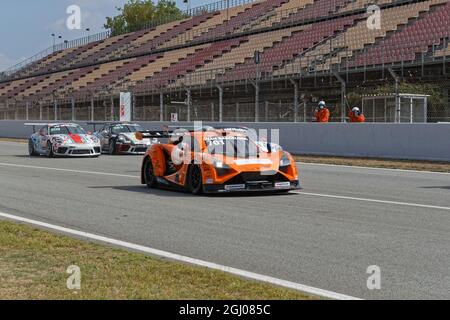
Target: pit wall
395, 141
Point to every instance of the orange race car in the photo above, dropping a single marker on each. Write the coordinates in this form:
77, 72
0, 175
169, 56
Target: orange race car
216, 160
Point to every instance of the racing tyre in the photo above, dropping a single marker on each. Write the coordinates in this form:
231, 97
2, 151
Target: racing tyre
195, 183
50, 153
112, 147
150, 179
31, 150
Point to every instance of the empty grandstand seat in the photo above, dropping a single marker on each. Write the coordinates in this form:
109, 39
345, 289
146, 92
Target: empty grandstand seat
413, 39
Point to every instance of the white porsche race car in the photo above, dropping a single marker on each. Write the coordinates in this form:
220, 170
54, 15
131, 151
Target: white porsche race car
120, 138
62, 140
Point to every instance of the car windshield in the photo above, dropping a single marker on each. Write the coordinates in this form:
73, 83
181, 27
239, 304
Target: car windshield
66, 130
232, 146
125, 128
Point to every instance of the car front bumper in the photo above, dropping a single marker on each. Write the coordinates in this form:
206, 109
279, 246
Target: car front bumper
127, 148
77, 151
254, 186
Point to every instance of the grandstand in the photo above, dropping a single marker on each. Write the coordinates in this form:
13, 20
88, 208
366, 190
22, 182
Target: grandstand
307, 50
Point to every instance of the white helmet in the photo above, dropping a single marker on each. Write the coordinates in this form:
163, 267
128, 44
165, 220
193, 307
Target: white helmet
322, 104
356, 110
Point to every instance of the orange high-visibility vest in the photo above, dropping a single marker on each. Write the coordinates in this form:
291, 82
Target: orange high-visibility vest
361, 118
323, 115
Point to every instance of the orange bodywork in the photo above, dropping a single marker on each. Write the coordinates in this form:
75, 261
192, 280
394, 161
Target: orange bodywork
219, 171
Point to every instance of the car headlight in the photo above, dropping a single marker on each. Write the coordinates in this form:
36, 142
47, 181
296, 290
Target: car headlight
220, 167
285, 161
123, 138
58, 140
95, 140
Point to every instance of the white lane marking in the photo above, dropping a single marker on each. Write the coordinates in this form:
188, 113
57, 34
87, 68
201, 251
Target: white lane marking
184, 259
68, 170
373, 200
371, 168
299, 192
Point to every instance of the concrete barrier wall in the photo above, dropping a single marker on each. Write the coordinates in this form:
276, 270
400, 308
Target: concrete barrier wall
399, 141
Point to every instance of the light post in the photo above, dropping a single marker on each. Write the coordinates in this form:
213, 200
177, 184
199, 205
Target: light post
54, 41
188, 3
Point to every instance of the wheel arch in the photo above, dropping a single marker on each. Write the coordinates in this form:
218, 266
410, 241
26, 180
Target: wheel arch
144, 162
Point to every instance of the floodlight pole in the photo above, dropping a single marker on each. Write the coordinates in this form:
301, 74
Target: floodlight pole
55, 106
295, 84
6, 109
27, 106
54, 41
220, 103
343, 95
92, 107
15, 109
256, 101
257, 61
161, 106
188, 104
73, 109
133, 107
112, 108
397, 94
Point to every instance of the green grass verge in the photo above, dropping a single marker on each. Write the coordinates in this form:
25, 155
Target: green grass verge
433, 166
33, 265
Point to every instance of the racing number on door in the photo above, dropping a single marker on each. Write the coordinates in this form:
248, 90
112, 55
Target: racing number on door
216, 143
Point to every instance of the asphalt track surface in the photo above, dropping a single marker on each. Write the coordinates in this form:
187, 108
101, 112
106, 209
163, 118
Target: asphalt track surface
326, 236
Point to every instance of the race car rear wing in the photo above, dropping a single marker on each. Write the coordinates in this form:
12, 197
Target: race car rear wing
211, 128
141, 135
179, 131
34, 125
97, 123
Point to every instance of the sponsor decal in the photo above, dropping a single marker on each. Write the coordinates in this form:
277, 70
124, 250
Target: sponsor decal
241, 130
234, 187
217, 138
125, 106
282, 185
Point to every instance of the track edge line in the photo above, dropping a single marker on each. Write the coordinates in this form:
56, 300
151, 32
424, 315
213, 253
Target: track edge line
176, 257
